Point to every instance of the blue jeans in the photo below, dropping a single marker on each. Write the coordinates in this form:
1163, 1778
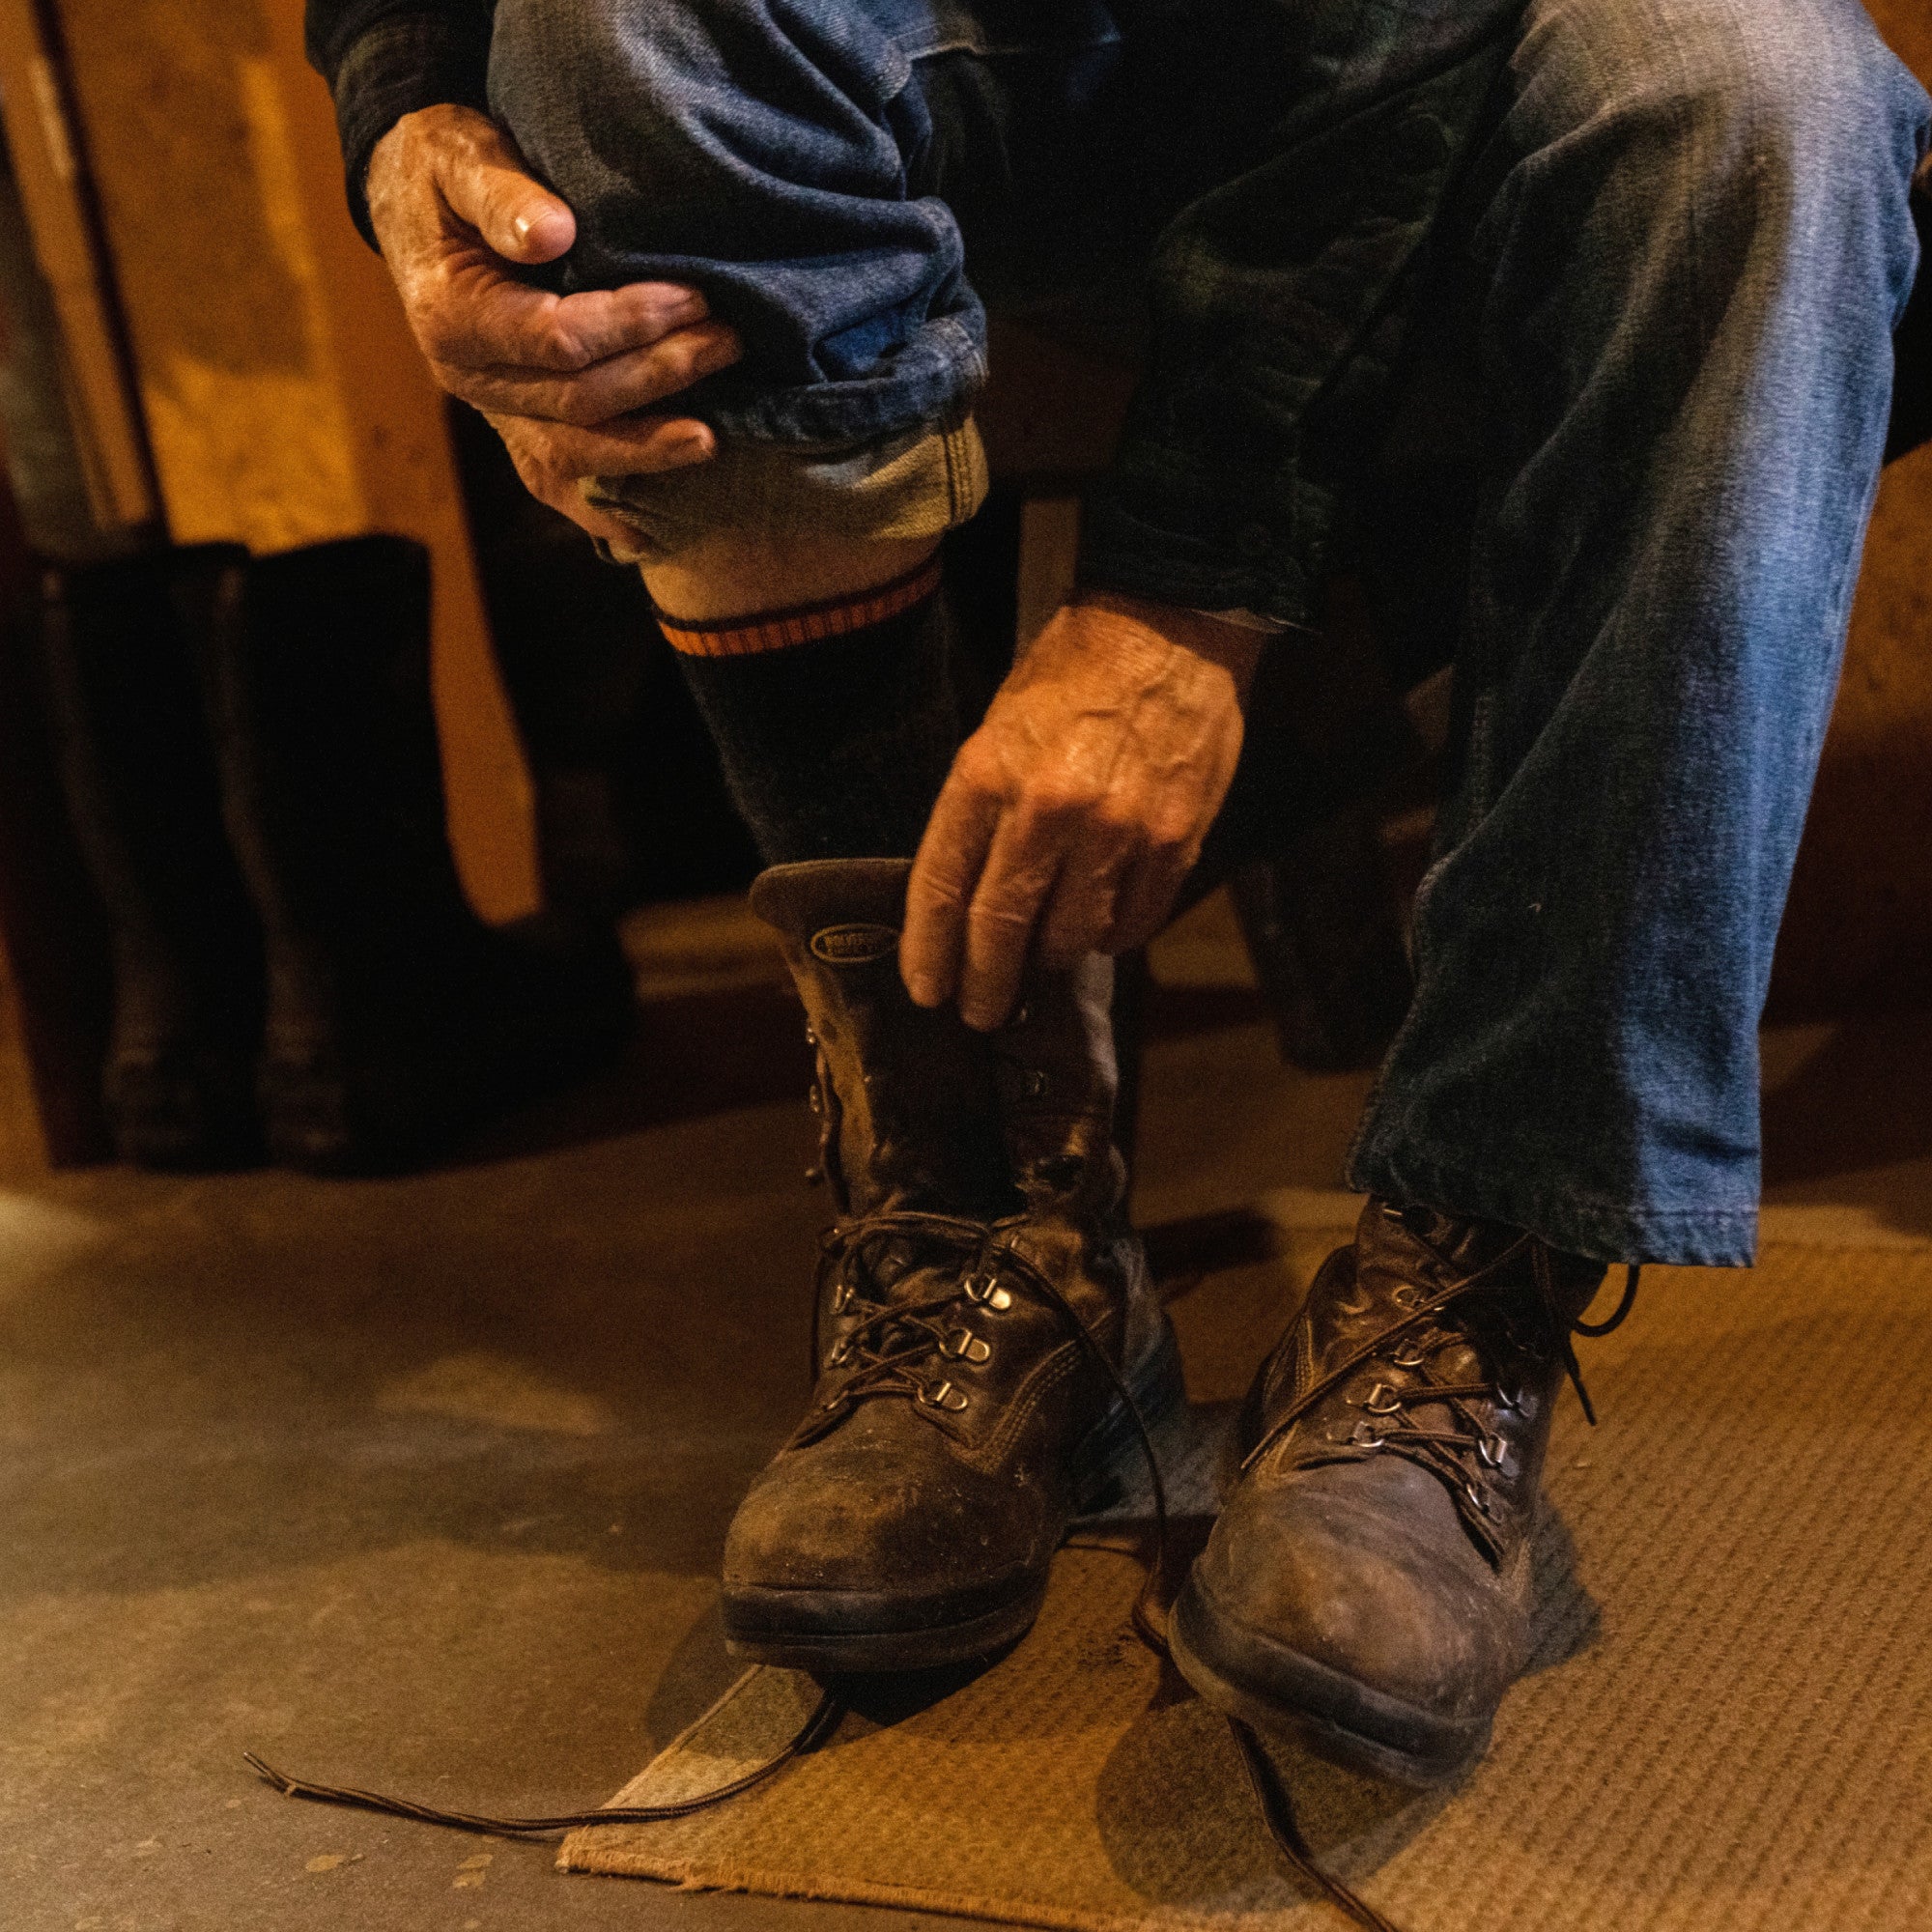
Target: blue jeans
1682, 227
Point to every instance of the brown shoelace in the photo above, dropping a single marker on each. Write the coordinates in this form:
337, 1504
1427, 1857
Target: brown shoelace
996, 1259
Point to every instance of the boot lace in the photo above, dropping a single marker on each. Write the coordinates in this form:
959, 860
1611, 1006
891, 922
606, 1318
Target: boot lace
1459, 1447
889, 1349
904, 1346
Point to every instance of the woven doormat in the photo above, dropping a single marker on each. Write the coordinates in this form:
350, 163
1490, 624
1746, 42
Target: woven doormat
1729, 1726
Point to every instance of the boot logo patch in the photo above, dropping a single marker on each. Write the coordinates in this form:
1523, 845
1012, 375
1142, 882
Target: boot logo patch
855, 944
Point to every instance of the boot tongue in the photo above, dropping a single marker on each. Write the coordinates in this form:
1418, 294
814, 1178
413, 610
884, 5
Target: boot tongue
1462, 1246
912, 1096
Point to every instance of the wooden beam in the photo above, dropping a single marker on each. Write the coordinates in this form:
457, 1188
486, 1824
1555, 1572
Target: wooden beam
284, 400
109, 435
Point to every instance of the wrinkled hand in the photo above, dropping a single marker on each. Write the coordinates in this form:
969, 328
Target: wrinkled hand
562, 377
1071, 817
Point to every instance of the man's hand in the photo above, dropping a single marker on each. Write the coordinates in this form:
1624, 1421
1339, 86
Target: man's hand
561, 377
1071, 817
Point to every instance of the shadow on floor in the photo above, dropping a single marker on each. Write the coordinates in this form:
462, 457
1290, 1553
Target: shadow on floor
700, 1053
1848, 1122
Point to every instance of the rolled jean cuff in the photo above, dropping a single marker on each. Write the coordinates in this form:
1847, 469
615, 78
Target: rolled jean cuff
1567, 1218
921, 484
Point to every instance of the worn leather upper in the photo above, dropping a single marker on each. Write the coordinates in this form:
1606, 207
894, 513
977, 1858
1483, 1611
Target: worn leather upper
1392, 1448
980, 1219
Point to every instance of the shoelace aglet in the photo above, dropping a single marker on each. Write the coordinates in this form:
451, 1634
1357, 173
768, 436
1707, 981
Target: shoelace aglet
268, 1775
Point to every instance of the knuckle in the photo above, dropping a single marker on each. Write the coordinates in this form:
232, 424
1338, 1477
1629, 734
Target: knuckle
1169, 833
1118, 821
943, 892
1052, 799
565, 346
572, 404
976, 765
999, 916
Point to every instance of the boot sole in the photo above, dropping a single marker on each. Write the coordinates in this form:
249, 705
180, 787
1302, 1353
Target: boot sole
1280, 1693
760, 1615
196, 1120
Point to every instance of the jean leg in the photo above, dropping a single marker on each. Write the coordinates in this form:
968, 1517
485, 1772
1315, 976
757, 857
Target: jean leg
1696, 250
783, 157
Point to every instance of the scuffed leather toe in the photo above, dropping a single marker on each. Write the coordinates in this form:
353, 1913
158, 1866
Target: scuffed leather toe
882, 1538
1369, 1584
1334, 1572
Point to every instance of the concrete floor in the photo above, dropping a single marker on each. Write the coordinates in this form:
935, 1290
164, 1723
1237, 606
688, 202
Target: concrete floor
421, 1484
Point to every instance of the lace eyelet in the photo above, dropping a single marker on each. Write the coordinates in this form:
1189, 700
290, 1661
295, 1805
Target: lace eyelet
1411, 1354
1494, 1451
1382, 1400
945, 1396
963, 1345
1362, 1434
1478, 1502
984, 1292
841, 1297
1406, 1295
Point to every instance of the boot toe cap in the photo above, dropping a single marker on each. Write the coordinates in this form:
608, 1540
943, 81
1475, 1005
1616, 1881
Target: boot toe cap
843, 1538
1353, 1593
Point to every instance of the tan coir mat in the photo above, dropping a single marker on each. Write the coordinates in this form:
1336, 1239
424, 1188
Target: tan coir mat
1729, 1726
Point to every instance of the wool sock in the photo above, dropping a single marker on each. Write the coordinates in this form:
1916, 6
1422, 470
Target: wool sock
835, 722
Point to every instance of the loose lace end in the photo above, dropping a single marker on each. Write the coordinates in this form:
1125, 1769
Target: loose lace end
824, 1720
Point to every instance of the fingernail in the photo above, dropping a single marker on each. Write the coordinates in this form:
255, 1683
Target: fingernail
530, 227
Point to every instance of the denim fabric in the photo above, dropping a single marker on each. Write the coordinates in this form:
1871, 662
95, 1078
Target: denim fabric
757, 149
1694, 247
1686, 239
825, 169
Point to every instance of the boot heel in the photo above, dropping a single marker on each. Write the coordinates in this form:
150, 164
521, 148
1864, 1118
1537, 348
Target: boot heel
1112, 1448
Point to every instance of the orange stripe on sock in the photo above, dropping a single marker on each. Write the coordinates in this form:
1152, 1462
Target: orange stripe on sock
807, 624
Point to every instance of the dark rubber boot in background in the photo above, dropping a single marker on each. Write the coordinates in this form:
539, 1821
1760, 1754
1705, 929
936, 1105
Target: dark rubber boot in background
119, 646
396, 1018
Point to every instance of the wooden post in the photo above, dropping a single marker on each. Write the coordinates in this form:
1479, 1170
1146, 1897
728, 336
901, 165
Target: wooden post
100, 404
284, 399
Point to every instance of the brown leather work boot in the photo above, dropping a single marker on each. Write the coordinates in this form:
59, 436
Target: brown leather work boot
981, 1305
1368, 1585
